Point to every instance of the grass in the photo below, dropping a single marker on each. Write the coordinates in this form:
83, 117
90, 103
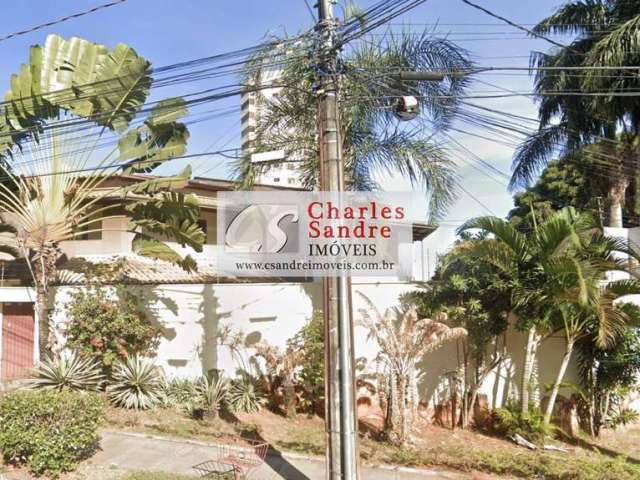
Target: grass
436, 447
521, 465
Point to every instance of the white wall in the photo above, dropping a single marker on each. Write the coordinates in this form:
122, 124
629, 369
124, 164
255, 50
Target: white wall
192, 317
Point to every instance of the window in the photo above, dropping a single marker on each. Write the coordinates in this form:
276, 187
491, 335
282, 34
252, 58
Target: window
276, 179
291, 181
203, 225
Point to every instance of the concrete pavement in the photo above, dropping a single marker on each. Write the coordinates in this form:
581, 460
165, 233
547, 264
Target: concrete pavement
134, 451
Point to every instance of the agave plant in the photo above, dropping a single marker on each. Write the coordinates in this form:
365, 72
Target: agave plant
246, 395
178, 391
72, 372
213, 392
136, 384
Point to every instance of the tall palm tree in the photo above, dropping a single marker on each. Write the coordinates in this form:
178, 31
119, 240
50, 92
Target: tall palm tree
374, 141
69, 124
606, 36
529, 261
584, 306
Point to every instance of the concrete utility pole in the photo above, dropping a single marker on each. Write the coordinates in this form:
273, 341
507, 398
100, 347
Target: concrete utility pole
340, 405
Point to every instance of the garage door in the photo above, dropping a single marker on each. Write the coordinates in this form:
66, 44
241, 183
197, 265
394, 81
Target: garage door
17, 340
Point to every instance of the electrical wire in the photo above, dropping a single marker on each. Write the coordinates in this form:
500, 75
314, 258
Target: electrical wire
60, 20
515, 25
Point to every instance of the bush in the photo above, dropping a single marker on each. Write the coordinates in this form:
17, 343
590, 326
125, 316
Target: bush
136, 384
212, 393
310, 340
49, 430
510, 420
622, 418
72, 372
246, 395
178, 392
207, 396
108, 329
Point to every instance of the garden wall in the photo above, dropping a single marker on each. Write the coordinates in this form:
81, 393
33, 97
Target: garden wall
193, 316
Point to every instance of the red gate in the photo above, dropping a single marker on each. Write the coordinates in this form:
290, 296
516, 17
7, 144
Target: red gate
17, 340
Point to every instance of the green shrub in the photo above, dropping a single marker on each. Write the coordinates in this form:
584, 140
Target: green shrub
108, 329
70, 372
212, 393
49, 430
136, 383
510, 420
622, 418
178, 392
310, 341
246, 395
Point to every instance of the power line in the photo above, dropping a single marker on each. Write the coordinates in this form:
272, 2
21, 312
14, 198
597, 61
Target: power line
61, 20
515, 25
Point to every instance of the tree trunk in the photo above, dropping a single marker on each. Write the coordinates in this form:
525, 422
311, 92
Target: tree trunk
617, 192
289, 391
527, 368
44, 332
556, 385
404, 409
44, 273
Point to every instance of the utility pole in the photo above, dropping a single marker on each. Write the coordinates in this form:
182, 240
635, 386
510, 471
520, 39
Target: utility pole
340, 405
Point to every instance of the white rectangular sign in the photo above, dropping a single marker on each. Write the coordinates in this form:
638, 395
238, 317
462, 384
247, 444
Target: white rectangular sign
311, 234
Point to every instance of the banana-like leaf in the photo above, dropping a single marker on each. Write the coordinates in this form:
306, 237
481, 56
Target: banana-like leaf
150, 247
123, 82
160, 138
160, 184
170, 216
167, 111
85, 78
167, 205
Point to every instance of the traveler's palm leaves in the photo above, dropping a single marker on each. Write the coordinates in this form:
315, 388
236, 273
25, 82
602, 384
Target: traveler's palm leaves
59, 175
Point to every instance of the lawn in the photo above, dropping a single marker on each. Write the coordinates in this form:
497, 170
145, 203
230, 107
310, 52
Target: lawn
614, 457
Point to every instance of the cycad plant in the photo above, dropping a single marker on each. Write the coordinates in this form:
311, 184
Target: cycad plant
68, 372
212, 393
70, 122
403, 339
135, 384
246, 394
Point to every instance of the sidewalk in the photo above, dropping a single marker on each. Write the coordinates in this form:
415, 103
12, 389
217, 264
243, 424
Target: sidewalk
133, 451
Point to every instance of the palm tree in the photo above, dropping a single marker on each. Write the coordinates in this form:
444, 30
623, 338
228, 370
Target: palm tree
529, 261
606, 36
404, 339
585, 308
374, 141
68, 126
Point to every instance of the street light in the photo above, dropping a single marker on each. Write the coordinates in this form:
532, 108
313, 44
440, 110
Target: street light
406, 107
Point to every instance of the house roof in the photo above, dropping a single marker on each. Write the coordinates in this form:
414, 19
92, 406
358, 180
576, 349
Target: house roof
130, 268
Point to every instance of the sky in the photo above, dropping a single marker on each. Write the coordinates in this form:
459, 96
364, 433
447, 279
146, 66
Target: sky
170, 31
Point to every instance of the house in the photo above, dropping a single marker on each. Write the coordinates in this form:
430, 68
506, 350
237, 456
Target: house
193, 308
190, 307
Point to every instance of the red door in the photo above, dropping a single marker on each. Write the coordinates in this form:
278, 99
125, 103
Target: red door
17, 340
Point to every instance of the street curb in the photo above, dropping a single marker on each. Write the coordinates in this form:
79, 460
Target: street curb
292, 455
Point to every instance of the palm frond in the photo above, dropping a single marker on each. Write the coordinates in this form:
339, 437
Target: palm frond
575, 18
534, 154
